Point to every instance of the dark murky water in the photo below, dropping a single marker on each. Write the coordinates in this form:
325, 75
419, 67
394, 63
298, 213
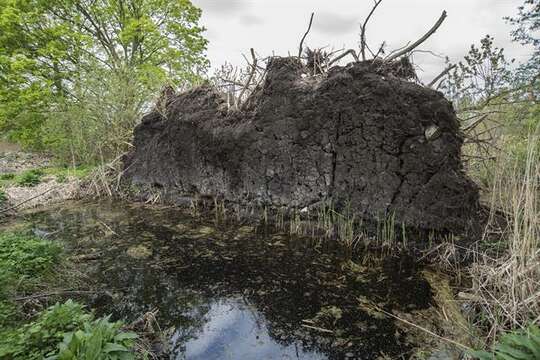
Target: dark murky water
236, 292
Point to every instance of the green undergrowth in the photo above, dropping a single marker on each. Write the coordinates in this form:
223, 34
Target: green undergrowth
517, 345
24, 262
64, 331
67, 332
33, 177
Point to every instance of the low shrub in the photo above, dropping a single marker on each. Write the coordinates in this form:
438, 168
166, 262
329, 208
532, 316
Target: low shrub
24, 259
66, 331
99, 339
40, 338
30, 178
517, 345
26, 255
8, 176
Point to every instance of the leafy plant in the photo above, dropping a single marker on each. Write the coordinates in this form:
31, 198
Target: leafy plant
518, 345
3, 197
40, 338
66, 331
100, 339
30, 178
25, 255
8, 176
61, 178
23, 260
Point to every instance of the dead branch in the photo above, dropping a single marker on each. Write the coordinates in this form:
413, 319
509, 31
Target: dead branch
251, 74
301, 47
29, 199
475, 123
441, 75
419, 41
380, 51
341, 56
60, 293
363, 43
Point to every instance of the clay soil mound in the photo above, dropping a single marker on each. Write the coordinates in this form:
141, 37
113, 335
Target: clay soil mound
358, 136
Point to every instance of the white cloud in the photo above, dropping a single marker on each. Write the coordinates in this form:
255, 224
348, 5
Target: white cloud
276, 27
335, 23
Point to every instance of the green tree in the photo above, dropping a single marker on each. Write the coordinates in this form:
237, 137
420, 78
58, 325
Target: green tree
480, 78
52, 53
527, 32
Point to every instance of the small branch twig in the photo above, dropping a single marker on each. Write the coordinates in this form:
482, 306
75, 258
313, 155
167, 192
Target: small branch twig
380, 51
251, 74
465, 347
317, 329
421, 40
441, 75
57, 293
363, 43
301, 47
27, 200
341, 56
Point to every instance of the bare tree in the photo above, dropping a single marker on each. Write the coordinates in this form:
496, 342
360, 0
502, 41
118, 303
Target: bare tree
363, 42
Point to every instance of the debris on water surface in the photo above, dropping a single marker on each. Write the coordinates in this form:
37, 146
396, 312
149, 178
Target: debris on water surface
139, 252
222, 293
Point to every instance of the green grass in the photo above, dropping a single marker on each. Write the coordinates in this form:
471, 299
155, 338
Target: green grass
30, 178
8, 176
65, 172
24, 259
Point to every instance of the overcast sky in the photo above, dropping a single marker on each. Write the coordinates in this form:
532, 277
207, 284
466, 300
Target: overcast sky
276, 26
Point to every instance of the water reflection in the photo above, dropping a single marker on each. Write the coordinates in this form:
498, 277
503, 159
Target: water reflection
235, 329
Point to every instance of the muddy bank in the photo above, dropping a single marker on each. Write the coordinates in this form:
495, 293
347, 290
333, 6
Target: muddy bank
22, 189
376, 143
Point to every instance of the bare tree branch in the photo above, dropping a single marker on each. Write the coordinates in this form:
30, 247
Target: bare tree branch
380, 51
251, 74
301, 47
363, 43
419, 41
341, 56
441, 75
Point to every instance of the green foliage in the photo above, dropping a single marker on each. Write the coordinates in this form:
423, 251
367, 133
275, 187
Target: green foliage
527, 25
75, 75
23, 259
26, 256
30, 178
67, 331
61, 178
63, 331
62, 173
482, 75
100, 339
3, 197
8, 176
40, 338
518, 345
99, 126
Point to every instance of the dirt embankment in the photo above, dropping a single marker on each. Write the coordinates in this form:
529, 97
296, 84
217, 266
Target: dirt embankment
374, 142
24, 184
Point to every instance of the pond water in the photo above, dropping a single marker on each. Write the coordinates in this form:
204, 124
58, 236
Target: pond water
236, 291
